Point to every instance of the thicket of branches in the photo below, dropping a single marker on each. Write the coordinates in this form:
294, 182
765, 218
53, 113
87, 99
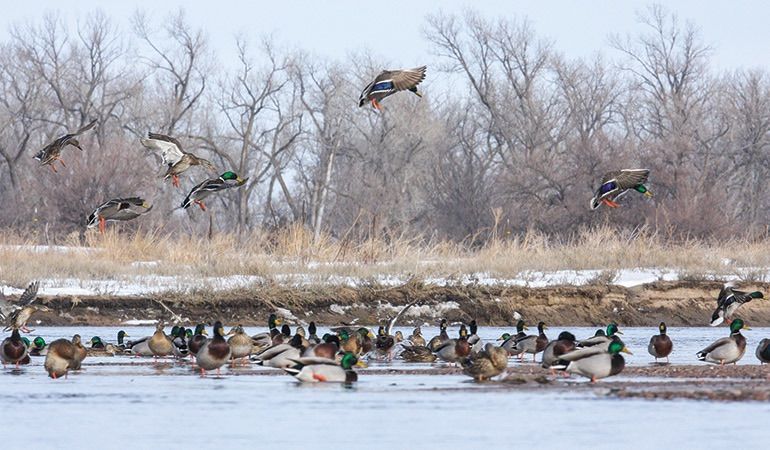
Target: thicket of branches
510, 136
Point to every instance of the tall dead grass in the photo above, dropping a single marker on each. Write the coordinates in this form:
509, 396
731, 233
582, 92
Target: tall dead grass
293, 251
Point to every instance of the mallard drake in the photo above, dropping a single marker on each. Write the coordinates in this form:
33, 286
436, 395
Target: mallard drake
215, 351
565, 343
52, 152
99, 348
384, 344
264, 340
226, 181
416, 337
13, 349
327, 349
417, 353
443, 336
284, 336
533, 344
61, 357
38, 347
117, 209
179, 339
388, 82
509, 341
324, 370
763, 351
729, 301
240, 344
313, 338
453, 350
80, 352
601, 338
20, 313
172, 155
595, 362
728, 349
159, 343
473, 338
660, 344
615, 184
121, 342
280, 355
198, 339
486, 364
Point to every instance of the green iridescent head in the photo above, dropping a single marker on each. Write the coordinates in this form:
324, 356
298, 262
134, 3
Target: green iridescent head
96, 340
344, 335
229, 176
348, 361
38, 342
121, 335
26, 341
612, 329
737, 325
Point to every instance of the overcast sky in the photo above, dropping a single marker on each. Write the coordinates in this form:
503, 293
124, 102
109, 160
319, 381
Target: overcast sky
737, 30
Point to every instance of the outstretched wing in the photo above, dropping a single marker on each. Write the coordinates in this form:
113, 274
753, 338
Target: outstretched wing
630, 178
392, 323
169, 149
407, 78
30, 294
85, 128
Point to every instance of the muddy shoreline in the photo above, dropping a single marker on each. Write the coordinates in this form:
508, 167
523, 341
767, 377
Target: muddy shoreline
681, 303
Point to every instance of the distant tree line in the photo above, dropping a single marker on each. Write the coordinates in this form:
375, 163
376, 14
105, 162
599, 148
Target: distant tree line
510, 136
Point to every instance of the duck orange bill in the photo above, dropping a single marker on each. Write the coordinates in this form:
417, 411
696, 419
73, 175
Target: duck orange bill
626, 350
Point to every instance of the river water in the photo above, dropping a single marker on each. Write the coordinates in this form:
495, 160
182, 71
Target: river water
126, 403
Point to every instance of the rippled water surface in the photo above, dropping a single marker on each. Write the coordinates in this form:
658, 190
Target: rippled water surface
127, 403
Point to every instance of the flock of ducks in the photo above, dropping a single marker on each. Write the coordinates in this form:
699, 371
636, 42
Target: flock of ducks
177, 161
334, 356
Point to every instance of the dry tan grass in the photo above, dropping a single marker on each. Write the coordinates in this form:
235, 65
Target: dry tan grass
292, 251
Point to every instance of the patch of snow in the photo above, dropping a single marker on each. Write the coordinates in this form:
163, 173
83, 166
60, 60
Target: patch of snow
338, 309
286, 314
140, 322
433, 310
49, 248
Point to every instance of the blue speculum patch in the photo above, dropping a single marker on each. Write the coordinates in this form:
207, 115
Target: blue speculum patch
607, 187
383, 86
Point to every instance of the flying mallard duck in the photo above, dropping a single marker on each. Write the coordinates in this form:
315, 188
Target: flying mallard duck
660, 345
561, 346
13, 349
594, 362
727, 349
729, 301
215, 352
172, 155
615, 184
18, 315
388, 82
324, 370
534, 343
52, 152
763, 351
486, 364
226, 181
117, 209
